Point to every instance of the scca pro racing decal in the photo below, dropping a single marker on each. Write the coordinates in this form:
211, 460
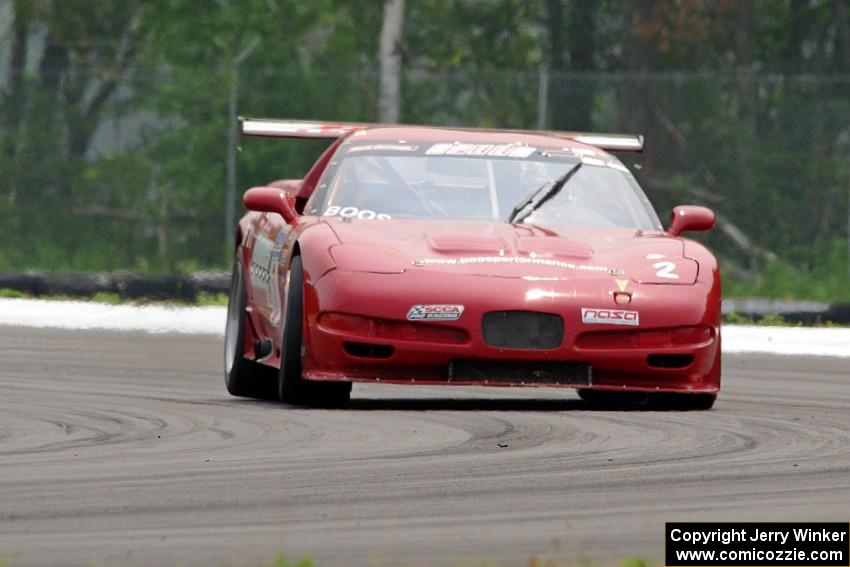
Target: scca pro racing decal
609, 317
435, 312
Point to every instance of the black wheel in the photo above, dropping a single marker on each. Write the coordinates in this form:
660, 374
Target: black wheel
292, 388
614, 399
684, 402
640, 400
243, 377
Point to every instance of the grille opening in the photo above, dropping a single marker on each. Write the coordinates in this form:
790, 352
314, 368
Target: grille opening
521, 371
522, 329
366, 350
670, 360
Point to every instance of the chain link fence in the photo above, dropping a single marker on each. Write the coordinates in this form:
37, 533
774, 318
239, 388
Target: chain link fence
138, 183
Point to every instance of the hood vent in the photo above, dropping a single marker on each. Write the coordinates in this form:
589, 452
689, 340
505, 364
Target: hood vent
449, 243
560, 247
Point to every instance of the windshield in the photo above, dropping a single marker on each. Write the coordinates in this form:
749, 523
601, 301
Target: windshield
479, 182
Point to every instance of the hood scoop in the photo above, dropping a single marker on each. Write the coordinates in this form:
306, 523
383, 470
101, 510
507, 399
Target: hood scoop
553, 247
467, 243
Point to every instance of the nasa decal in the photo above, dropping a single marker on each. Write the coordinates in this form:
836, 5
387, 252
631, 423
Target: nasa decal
594, 316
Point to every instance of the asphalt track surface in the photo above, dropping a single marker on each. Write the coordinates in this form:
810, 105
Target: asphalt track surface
124, 449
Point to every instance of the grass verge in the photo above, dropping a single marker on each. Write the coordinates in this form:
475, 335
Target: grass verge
534, 561
204, 299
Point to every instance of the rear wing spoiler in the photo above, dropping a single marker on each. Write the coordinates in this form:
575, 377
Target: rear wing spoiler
272, 128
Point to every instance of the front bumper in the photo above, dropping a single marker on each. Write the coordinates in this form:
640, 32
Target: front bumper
676, 348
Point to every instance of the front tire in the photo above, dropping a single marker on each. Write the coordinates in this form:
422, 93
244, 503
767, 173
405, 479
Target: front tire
607, 399
292, 388
685, 402
647, 401
242, 377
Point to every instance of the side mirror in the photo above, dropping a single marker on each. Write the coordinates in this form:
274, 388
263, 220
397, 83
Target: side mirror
270, 200
690, 217
291, 186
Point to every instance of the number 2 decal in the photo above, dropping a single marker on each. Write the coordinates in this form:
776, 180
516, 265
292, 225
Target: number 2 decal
665, 270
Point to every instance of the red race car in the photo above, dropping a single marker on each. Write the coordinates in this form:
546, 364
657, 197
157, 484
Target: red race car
423, 255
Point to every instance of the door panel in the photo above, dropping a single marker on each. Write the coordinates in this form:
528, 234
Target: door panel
271, 251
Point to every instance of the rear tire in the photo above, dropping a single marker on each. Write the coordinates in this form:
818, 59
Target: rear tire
292, 388
647, 401
243, 377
